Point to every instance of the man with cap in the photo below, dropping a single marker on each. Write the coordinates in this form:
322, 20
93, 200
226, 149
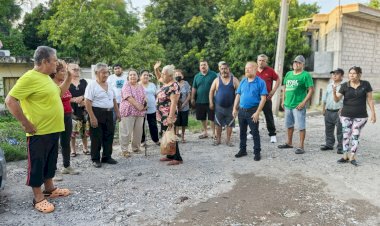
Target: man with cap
298, 90
331, 111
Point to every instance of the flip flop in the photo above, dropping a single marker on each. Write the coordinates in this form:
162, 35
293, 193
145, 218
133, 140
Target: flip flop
229, 144
216, 143
73, 154
282, 146
86, 152
43, 206
57, 192
202, 136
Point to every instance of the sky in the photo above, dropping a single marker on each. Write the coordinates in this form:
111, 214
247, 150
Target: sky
326, 5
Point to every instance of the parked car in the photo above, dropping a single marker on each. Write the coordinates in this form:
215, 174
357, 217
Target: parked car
3, 174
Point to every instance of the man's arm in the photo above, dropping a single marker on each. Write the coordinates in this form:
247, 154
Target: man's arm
236, 105
256, 115
93, 119
236, 83
310, 91
212, 94
193, 92
278, 83
15, 109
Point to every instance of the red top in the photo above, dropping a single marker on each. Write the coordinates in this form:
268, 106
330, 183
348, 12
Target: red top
268, 75
66, 102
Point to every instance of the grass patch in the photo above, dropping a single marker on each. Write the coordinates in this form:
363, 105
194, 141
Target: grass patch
194, 125
376, 96
12, 138
1, 100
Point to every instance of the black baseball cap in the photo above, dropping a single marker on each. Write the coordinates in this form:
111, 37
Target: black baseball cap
338, 70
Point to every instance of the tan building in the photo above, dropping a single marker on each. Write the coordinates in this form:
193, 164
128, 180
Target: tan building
11, 68
347, 36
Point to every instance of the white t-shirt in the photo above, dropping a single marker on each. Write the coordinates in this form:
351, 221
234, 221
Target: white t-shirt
100, 98
117, 82
150, 93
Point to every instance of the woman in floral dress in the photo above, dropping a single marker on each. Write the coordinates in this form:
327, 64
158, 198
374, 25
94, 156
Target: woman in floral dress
167, 100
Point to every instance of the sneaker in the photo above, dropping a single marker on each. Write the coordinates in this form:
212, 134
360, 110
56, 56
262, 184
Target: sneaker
273, 139
325, 148
299, 151
96, 164
241, 154
257, 157
249, 136
354, 162
69, 170
342, 160
57, 178
109, 161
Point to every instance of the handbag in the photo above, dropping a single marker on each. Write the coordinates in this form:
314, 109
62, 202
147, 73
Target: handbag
168, 142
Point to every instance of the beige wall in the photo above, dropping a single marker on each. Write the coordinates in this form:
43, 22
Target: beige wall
361, 47
12, 70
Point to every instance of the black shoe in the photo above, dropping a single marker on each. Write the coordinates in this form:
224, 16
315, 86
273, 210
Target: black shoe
354, 162
257, 157
109, 161
325, 148
339, 151
342, 160
96, 164
241, 154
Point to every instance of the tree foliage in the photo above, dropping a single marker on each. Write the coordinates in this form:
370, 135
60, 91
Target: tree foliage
9, 12
90, 30
256, 32
374, 4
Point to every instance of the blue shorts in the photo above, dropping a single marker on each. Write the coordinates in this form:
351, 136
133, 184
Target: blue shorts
297, 117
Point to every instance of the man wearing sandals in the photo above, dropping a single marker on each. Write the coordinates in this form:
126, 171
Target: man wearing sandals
200, 97
223, 92
298, 90
35, 101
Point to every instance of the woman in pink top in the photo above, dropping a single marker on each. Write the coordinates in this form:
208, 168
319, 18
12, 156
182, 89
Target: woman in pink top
132, 111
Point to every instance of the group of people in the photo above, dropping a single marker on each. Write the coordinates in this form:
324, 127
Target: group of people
53, 103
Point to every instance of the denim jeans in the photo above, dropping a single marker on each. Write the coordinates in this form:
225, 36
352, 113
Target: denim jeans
245, 120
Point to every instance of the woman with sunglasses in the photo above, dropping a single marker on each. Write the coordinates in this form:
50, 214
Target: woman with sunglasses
357, 93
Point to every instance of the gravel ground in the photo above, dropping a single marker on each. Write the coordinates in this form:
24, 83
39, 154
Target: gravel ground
212, 187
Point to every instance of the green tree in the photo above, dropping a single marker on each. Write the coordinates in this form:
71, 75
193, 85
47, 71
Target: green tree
9, 12
91, 31
374, 4
256, 32
29, 27
14, 42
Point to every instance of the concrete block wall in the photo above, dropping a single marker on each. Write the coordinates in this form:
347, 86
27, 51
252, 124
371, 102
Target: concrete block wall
361, 47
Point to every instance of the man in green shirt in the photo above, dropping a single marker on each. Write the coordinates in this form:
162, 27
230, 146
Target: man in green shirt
35, 101
298, 90
199, 97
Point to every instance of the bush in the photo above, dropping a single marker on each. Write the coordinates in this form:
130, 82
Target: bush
12, 138
376, 96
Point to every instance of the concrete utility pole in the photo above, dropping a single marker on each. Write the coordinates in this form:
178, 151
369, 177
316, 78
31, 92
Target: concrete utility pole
280, 52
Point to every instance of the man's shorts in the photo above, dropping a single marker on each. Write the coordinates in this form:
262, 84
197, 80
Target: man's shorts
203, 112
295, 117
223, 116
182, 118
42, 158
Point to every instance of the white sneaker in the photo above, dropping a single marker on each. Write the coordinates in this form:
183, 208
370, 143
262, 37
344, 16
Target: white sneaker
249, 136
273, 139
69, 170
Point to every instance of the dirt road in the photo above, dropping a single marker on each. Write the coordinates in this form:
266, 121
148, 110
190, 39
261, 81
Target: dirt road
212, 187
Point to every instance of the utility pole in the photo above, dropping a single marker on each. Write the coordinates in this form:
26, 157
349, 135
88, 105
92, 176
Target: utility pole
280, 52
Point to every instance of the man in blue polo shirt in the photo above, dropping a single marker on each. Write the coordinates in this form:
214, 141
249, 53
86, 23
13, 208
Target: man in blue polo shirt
249, 101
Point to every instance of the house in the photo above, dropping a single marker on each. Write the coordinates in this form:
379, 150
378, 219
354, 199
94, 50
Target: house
12, 68
347, 36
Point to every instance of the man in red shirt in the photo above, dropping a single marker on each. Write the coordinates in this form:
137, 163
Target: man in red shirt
268, 75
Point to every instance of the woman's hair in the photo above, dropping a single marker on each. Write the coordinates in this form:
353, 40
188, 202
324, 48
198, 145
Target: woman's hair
100, 66
59, 67
144, 70
170, 69
358, 70
180, 71
132, 69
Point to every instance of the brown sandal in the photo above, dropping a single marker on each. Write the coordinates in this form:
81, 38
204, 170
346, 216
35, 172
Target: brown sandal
57, 192
43, 206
